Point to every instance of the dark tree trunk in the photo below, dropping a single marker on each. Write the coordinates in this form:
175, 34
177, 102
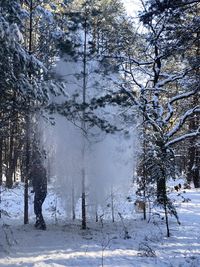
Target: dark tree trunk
10, 169
193, 157
83, 124
195, 169
27, 147
26, 178
193, 172
160, 189
1, 160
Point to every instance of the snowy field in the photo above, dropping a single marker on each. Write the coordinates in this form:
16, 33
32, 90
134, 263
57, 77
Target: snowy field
103, 243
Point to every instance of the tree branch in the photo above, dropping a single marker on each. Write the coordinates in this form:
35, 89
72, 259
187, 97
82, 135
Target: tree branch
177, 98
183, 137
182, 120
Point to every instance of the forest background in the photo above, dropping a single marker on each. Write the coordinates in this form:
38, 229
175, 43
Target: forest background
83, 72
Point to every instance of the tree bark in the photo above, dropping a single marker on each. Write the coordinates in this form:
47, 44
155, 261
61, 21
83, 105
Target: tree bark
1, 160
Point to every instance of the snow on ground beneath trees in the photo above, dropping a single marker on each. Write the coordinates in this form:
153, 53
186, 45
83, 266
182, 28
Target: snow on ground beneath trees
103, 243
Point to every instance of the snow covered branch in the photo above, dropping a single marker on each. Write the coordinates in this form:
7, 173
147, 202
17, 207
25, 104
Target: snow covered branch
183, 137
141, 107
131, 60
177, 98
187, 114
171, 78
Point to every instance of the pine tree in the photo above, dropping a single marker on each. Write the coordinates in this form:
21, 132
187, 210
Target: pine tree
93, 56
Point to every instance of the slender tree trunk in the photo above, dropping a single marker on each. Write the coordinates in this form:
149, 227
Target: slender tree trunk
160, 189
26, 178
96, 212
164, 195
15, 160
1, 160
9, 171
1, 169
144, 171
193, 172
6, 152
28, 124
84, 225
112, 206
73, 203
166, 214
144, 207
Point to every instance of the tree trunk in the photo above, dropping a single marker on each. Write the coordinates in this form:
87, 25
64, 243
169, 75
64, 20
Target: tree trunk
165, 199
9, 170
73, 203
84, 127
160, 189
193, 172
1, 169
193, 157
112, 206
26, 178
1, 160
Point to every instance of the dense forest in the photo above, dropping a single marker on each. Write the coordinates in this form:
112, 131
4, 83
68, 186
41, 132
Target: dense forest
104, 100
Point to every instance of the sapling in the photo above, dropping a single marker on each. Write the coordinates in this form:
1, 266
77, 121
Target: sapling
112, 205
105, 241
126, 234
9, 236
146, 250
73, 203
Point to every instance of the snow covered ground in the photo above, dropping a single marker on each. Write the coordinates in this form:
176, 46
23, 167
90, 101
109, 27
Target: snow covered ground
103, 243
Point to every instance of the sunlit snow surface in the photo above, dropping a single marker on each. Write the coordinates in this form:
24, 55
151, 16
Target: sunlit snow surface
65, 244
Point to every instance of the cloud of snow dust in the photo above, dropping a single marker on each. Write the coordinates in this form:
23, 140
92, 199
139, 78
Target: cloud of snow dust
109, 158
